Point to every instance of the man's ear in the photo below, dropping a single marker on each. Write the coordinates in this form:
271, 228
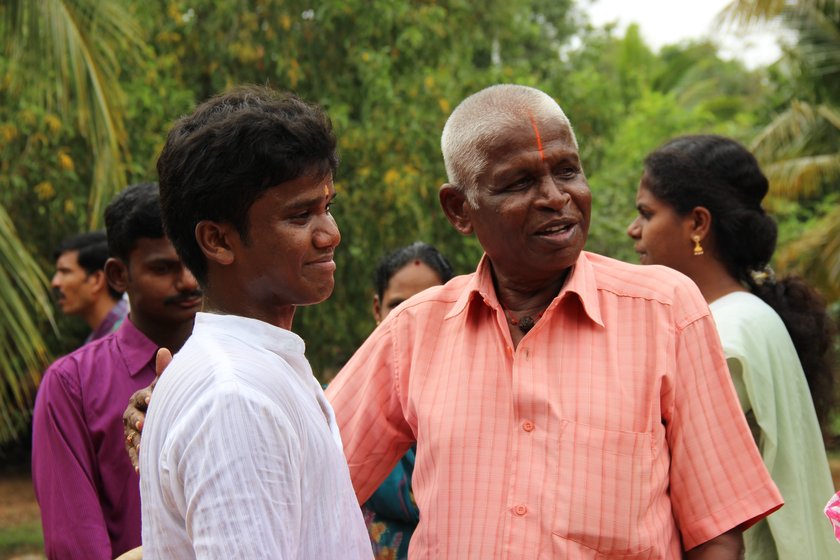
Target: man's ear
116, 274
455, 205
215, 241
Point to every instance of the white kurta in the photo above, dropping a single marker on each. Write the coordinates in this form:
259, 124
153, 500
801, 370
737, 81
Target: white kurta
241, 456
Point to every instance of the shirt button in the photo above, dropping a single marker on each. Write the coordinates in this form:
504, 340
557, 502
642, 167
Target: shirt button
528, 426
520, 510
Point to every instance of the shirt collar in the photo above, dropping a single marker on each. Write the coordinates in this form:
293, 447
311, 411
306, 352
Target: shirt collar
135, 347
111, 321
581, 282
253, 332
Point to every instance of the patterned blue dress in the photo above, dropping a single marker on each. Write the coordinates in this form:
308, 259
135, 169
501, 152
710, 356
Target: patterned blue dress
391, 514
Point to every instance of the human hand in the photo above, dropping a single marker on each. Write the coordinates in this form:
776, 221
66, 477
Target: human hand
135, 414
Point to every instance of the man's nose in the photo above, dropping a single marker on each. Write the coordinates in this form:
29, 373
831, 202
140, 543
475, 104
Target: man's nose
327, 234
553, 193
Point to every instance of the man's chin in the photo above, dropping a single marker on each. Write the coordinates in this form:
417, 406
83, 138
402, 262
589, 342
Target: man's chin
319, 297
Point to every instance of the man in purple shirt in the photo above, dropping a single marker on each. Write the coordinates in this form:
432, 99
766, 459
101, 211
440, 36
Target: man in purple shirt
80, 286
87, 489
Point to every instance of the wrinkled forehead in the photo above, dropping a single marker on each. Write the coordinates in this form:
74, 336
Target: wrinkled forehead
525, 130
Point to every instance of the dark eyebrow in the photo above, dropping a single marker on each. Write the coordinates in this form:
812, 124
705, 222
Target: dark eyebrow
309, 202
164, 260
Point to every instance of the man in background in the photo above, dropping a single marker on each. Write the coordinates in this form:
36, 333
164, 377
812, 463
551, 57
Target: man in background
88, 492
80, 287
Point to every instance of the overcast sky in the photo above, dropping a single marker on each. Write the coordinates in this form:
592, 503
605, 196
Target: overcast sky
665, 22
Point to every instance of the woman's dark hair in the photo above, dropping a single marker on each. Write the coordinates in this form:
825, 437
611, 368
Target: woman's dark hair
722, 176
394, 261
220, 159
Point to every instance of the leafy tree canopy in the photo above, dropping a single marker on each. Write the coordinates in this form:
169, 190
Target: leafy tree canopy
86, 113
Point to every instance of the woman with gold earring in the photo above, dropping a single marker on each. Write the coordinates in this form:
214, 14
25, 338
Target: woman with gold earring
699, 203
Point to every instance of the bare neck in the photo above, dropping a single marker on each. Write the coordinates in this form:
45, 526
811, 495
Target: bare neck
525, 298
230, 302
713, 279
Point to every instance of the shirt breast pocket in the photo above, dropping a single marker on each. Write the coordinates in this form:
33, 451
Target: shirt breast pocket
604, 493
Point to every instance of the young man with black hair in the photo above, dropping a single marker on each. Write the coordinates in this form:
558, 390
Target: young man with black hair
241, 454
80, 287
87, 490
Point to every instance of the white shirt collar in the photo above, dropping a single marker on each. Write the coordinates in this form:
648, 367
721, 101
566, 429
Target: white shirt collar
253, 332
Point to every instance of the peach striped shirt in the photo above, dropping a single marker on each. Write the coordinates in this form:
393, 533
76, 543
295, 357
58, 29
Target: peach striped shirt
611, 431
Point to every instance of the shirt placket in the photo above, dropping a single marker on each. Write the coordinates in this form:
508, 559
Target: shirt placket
526, 436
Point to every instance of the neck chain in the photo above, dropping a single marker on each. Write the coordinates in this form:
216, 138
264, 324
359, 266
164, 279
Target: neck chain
524, 323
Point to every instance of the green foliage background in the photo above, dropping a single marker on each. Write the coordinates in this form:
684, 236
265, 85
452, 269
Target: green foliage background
389, 73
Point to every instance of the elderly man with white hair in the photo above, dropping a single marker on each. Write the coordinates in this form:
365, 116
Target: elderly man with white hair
563, 404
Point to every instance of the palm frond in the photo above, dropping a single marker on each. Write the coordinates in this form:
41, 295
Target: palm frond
830, 114
802, 177
744, 13
23, 355
786, 131
817, 27
816, 255
67, 53
794, 152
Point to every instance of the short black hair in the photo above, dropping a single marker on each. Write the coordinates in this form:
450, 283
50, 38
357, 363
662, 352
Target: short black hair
92, 249
394, 261
133, 214
220, 159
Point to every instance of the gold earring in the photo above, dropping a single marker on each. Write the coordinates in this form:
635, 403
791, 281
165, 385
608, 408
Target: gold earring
698, 249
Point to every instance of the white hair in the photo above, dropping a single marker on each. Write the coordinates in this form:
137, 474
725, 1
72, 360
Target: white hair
478, 122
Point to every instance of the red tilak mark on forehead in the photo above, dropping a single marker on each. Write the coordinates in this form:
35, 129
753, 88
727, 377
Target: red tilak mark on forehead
537, 135
416, 263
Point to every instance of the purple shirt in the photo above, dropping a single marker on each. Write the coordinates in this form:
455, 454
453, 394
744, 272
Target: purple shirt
84, 482
111, 322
